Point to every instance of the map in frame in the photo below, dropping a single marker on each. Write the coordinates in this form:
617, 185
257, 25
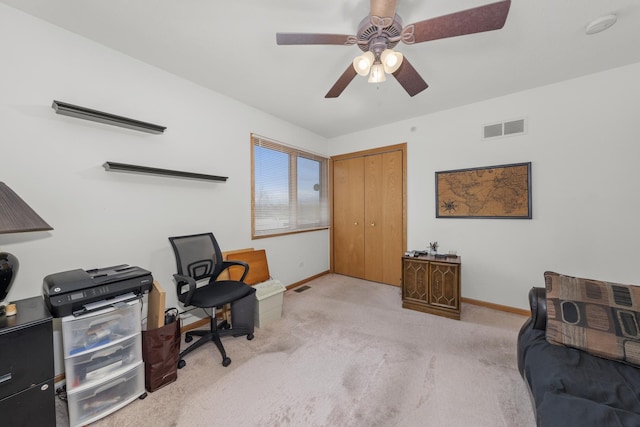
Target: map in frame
502, 191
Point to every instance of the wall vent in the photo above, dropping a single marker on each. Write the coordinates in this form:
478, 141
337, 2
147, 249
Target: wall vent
497, 130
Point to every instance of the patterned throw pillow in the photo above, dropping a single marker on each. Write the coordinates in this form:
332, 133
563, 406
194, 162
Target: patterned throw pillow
598, 317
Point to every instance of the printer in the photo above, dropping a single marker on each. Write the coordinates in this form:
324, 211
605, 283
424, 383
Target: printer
69, 292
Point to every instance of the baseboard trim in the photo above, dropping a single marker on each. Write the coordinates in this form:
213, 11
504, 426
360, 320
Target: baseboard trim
308, 279
499, 307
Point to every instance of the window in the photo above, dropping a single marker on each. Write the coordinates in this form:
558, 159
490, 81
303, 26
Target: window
289, 193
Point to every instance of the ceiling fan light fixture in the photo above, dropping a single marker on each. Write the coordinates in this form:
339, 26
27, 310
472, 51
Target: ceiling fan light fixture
377, 74
362, 64
382, 29
391, 60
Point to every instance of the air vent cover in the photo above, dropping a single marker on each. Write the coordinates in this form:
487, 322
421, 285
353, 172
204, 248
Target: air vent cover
491, 131
515, 126
512, 127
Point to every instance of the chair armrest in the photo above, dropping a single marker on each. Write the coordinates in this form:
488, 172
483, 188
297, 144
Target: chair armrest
181, 282
538, 304
231, 263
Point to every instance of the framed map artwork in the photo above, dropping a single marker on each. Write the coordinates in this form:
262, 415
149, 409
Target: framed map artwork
502, 191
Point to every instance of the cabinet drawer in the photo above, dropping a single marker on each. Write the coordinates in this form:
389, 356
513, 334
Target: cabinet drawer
26, 358
96, 365
34, 406
91, 331
87, 405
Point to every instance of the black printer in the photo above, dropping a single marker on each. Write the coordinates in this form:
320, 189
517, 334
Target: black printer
68, 292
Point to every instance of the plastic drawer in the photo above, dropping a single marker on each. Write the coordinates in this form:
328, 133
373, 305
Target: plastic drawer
99, 364
87, 405
99, 329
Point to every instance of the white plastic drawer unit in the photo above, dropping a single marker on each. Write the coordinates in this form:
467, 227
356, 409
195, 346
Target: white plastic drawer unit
87, 404
103, 362
100, 329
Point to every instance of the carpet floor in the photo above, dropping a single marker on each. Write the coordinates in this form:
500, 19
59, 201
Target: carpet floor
345, 353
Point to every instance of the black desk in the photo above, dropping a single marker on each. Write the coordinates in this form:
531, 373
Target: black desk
27, 396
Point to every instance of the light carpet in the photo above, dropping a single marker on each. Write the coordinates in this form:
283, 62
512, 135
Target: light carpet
345, 353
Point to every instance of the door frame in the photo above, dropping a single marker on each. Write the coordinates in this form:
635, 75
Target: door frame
373, 151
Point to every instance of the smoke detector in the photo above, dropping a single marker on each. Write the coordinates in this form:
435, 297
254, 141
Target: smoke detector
600, 24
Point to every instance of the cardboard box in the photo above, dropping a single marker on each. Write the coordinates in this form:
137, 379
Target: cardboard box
156, 300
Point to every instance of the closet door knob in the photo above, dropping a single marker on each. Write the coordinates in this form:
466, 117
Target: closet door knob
355, 223
373, 224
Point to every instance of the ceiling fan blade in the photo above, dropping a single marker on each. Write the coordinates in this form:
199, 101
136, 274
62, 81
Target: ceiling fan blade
409, 78
310, 38
342, 82
477, 20
383, 8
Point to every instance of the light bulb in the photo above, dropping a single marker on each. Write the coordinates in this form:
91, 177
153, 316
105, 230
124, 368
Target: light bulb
391, 60
362, 63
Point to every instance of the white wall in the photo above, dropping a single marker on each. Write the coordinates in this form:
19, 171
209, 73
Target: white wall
584, 144
582, 141
106, 218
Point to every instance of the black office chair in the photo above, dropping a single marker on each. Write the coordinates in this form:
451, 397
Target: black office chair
198, 258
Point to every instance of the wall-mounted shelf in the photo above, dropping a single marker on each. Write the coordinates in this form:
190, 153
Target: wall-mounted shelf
101, 117
123, 167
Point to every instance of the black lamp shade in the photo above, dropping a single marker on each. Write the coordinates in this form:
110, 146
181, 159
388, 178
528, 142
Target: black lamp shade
16, 216
8, 270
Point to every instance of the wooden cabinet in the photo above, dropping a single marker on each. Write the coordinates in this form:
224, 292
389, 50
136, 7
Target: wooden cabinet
432, 285
369, 215
26, 366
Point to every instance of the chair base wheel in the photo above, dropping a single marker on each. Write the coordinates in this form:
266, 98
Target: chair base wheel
226, 362
181, 364
250, 337
142, 396
188, 338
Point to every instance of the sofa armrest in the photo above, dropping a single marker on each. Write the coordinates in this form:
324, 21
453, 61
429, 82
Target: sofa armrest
538, 304
538, 321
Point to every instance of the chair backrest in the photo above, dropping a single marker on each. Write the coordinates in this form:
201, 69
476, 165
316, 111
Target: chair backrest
197, 256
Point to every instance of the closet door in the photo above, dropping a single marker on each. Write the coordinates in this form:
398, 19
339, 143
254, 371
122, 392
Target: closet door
348, 217
383, 228
368, 234
373, 226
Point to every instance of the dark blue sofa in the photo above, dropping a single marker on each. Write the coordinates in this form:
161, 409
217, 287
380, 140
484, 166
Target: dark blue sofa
570, 387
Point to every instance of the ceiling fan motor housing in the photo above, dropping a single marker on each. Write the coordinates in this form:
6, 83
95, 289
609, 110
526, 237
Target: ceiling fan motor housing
372, 38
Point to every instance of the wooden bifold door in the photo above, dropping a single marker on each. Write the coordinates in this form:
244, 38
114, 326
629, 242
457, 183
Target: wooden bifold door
369, 214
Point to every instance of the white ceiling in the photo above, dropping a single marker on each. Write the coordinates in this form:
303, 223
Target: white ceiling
230, 47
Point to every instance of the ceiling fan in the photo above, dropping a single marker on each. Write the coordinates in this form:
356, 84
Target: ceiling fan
381, 30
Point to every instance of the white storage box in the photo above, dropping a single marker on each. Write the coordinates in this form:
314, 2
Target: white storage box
86, 405
103, 359
99, 329
97, 364
269, 305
